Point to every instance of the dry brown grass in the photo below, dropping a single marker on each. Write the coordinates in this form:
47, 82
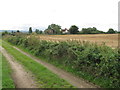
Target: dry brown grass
109, 39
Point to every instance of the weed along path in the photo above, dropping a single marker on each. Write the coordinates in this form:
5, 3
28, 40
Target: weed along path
75, 81
21, 78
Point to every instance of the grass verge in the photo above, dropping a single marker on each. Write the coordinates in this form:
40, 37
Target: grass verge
44, 77
7, 81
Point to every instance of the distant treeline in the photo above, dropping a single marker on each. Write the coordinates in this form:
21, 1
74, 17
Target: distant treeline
54, 29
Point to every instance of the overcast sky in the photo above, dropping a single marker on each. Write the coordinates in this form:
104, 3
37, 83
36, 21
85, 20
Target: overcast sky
21, 14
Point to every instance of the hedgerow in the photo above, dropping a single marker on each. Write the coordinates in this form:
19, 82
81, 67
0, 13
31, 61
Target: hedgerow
98, 61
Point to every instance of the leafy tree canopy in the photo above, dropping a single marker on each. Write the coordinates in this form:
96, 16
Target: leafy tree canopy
111, 31
91, 31
53, 29
73, 29
30, 30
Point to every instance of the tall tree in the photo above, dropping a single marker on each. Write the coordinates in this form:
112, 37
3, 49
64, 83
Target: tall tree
73, 29
18, 31
30, 30
53, 29
110, 31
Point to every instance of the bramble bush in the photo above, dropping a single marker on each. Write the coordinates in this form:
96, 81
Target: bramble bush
99, 61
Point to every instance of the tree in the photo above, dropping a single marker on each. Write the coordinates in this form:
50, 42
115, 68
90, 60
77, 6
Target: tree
18, 31
12, 32
30, 30
73, 29
37, 31
110, 31
91, 31
5, 33
118, 31
40, 32
86, 31
53, 29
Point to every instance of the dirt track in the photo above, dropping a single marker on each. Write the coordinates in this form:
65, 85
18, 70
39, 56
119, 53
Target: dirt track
22, 79
75, 81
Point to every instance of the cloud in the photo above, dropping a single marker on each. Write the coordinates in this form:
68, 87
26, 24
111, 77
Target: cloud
21, 14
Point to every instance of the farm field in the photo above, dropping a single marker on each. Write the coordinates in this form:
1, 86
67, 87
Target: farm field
109, 39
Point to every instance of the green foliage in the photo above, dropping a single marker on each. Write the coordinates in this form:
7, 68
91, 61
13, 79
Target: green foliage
102, 62
53, 29
37, 31
40, 32
90, 31
73, 29
110, 31
118, 32
5, 33
18, 31
30, 30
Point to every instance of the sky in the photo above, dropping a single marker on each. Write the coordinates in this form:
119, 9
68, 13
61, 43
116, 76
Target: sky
22, 14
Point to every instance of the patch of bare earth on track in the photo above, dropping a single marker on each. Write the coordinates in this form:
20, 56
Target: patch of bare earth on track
22, 79
75, 81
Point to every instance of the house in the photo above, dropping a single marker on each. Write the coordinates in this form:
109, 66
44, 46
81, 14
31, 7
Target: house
65, 31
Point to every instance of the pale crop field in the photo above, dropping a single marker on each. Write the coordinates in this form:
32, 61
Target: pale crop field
109, 39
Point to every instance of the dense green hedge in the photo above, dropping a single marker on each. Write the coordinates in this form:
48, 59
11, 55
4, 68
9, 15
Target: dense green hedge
99, 61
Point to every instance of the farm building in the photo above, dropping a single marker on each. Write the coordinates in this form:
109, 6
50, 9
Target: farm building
65, 31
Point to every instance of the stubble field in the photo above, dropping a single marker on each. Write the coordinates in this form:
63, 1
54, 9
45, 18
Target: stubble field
109, 39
